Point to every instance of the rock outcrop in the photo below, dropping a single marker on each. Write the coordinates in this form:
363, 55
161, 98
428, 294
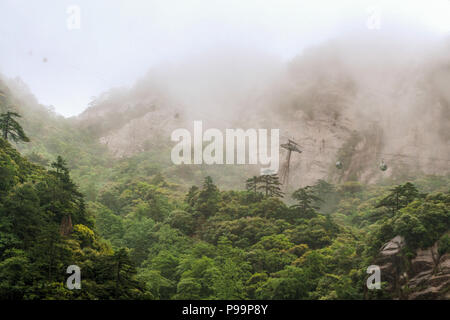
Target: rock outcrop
339, 104
425, 276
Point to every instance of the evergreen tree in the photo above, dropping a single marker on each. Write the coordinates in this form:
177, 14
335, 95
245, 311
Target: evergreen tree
65, 194
306, 200
10, 128
124, 272
270, 185
322, 189
192, 196
399, 197
252, 184
326, 192
208, 198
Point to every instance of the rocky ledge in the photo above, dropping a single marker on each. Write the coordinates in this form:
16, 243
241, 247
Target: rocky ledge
425, 276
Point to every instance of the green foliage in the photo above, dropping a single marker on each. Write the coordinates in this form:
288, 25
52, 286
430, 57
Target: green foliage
10, 128
306, 199
139, 230
44, 228
269, 184
423, 222
444, 244
399, 197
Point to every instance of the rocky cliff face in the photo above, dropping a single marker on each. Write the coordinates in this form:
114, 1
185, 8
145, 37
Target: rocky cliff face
426, 276
350, 102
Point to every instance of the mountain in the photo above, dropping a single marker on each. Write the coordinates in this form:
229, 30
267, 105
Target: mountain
45, 228
99, 191
357, 101
425, 276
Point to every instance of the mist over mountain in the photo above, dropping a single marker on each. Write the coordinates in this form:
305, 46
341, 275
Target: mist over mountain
357, 99
369, 191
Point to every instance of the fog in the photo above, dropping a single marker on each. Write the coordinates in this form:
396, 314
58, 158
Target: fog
119, 42
390, 88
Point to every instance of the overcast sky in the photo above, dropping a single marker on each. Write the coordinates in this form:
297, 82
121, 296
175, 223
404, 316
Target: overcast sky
119, 41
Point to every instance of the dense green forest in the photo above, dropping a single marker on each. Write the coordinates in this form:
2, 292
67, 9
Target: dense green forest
143, 237
142, 228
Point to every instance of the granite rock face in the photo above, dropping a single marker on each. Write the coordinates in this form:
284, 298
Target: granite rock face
425, 276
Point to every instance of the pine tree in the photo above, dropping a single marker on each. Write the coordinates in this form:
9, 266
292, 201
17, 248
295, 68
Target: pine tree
208, 198
11, 128
63, 174
252, 184
270, 185
399, 197
208, 186
124, 273
65, 195
192, 196
306, 200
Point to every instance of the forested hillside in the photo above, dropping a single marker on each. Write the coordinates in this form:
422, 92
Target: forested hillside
44, 228
140, 227
143, 238
357, 101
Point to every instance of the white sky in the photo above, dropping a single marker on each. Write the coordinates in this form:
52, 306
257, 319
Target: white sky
120, 40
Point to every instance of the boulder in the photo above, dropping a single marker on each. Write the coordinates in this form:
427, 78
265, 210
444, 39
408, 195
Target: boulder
426, 276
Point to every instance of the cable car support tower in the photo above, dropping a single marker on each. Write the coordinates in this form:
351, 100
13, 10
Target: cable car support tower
290, 146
